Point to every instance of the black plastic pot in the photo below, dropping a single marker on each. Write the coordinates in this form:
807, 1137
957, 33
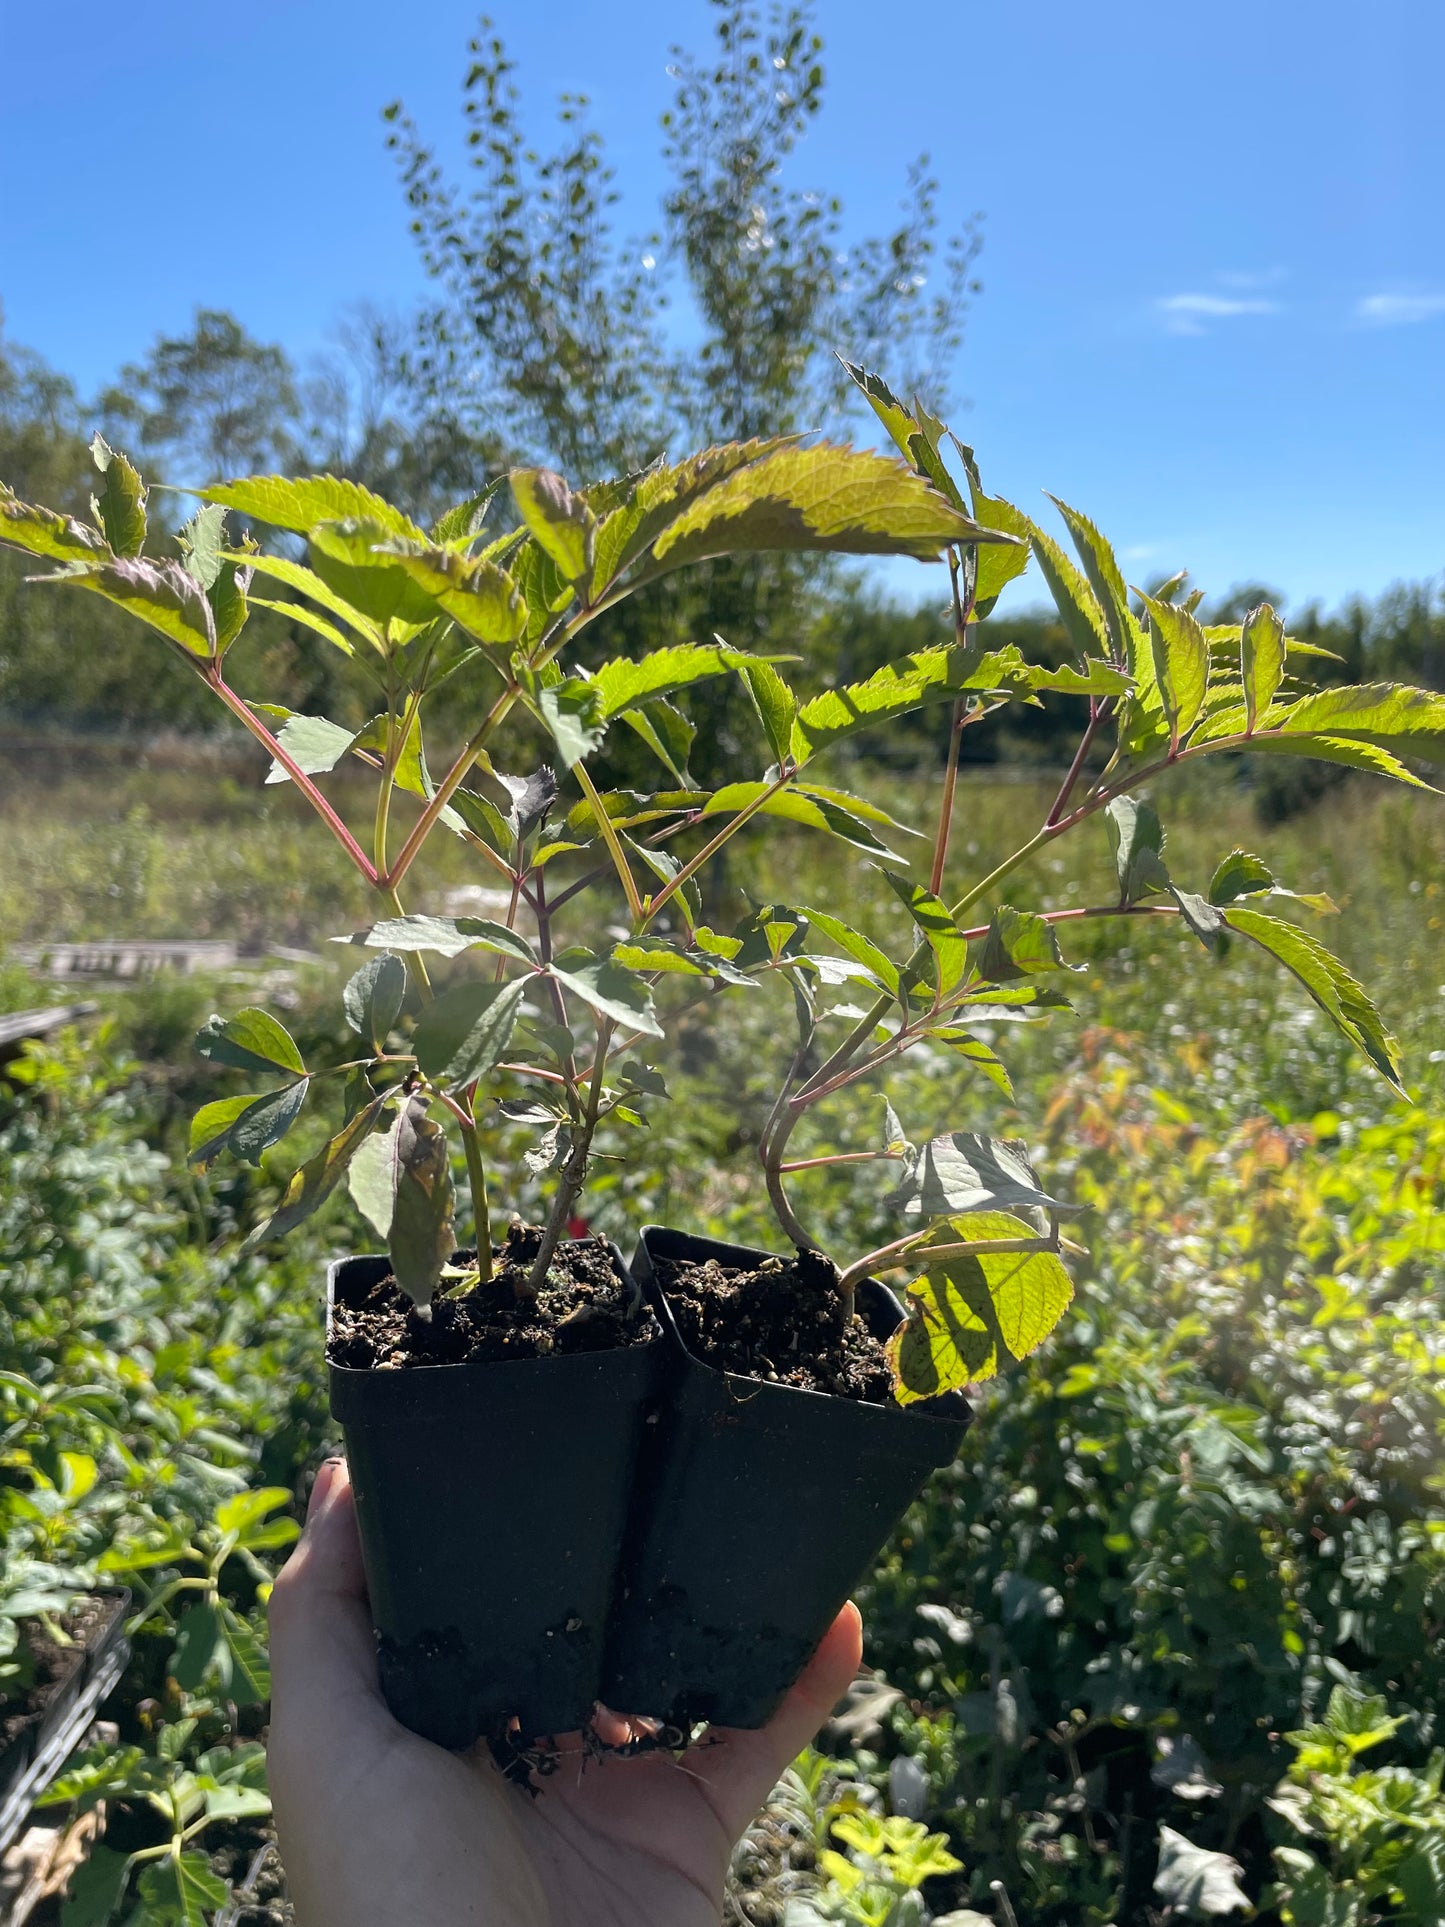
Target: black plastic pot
760, 1507
493, 1502
34, 1757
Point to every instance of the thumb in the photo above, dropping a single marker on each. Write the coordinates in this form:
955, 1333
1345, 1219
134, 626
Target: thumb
323, 1653
742, 1769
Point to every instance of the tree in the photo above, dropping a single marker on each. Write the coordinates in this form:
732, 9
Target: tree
548, 333
212, 402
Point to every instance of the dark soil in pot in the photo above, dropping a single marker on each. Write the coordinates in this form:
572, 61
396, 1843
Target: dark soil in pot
492, 1452
767, 1492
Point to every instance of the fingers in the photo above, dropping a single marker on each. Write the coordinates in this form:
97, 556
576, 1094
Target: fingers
742, 1769
323, 1655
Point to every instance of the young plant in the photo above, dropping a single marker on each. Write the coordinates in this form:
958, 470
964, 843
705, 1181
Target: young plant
416, 612
976, 1226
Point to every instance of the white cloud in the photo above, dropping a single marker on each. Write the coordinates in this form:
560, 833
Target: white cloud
1188, 314
1399, 310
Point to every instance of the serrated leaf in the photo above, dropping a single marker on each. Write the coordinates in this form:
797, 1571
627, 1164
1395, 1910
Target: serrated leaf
313, 1183
251, 1040
813, 808
479, 596
844, 500
648, 502
1018, 944
296, 575
559, 521
350, 558
164, 595
230, 607
300, 503
465, 519
184, 1886
45, 532
1392, 716
572, 711
996, 566
1240, 875
465, 1033
963, 1171
1262, 657
971, 1314
314, 744
420, 1238
857, 946
203, 543
1181, 662
775, 703
625, 682
914, 682
448, 936
250, 1686
1137, 838
977, 1054
612, 991
120, 507
942, 935
1343, 1000
667, 733
1106, 581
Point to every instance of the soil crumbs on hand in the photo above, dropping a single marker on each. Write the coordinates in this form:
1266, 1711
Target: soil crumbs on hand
783, 1322
582, 1307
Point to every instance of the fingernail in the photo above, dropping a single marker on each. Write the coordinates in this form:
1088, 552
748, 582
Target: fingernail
322, 1488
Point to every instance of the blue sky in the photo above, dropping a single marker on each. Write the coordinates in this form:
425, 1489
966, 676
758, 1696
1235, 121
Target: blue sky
1214, 302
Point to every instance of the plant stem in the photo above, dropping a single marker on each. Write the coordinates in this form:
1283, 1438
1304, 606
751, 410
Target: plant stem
615, 850
241, 710
574, 1172
895, 1257
950, 785
729, 829
1067, 786
481, 1208
450, 784
840, 1157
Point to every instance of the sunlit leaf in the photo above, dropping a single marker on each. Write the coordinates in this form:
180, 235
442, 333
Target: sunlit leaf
1343, 1000
300, 503
120, 508
251, 1040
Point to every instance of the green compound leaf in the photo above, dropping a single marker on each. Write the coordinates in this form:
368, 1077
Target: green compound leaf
200, 1645
969, 1315
120, 508
1107, 583
1339, 996
1261, 659
612, 991
845, 500
313, 743
625, 682
250, 1686
315, 1180
943, 936
1181, 662
1018, 944
252, 1040
372, 999
96, 1888
421, 1235
165, 595
931, 676
656, 497
964, 1171
300, 503
1391, 716
44, 532
465, 1033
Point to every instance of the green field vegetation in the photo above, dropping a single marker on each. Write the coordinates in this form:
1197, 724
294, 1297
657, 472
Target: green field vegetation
1214, 1501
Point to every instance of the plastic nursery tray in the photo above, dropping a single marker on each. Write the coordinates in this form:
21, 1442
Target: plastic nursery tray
36, 1757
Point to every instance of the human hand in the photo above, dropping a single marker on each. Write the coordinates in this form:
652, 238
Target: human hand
379, 1827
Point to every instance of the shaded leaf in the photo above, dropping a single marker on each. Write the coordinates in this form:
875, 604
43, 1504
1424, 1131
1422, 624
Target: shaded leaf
963, 1171
1018, 943
350, 557
667, 733
465, 1033
976, 1053
120, 507
372, 1175
448, 936
612, 991
943, 936
559, 521
971, 1314
573, 712
165, 595
211, 1127
775, 703
266, 1121
1137, 837
420, 1237
1104, 578
481, 598
313, 1183
44, 532
372, 999
96, 1888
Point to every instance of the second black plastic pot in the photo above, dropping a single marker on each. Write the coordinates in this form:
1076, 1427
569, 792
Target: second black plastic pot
759, 1509
493, 1502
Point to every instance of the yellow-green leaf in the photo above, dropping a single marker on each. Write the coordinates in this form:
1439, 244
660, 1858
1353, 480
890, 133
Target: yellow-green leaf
300, 503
